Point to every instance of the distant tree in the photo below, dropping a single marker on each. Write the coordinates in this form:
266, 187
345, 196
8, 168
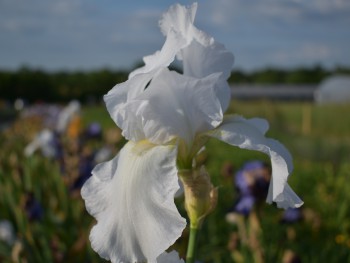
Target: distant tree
29, 84
239, 76
269, 76
307, 75
342, 70
35, 85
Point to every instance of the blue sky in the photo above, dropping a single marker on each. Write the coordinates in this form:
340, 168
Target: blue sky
90, 34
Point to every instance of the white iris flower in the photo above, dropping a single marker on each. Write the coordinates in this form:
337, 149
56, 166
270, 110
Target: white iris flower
167, 117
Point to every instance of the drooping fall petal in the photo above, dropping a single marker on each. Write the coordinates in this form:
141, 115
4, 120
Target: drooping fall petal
132, 199
249, 134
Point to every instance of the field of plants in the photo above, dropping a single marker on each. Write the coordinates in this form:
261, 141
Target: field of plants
43, 218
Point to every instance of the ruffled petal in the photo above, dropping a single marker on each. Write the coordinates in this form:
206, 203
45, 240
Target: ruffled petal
180, 18
163, 58
203, 58
200, 61
174, 105
200, 53
249, 134
117, 100
132, 199
171, 257
223, 93
175, 24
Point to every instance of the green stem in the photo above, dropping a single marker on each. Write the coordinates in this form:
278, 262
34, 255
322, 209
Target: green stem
191, 248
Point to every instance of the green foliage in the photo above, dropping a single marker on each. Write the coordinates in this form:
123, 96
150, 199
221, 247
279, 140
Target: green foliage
320, 177
61, 235
38, 85
312, 75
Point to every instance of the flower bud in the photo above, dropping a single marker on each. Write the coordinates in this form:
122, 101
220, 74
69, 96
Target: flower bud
200, 195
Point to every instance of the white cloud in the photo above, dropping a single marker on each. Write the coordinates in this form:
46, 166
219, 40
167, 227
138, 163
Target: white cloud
259, 32
315, 51
327, 6
220, 11
307, 53
65, 7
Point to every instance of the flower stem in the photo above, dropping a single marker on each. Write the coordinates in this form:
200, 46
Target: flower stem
191, 248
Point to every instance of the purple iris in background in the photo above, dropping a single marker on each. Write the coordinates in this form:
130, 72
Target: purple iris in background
93, 131
252, 184
291, 215
87, 160
33, 208
244, 205
85, 167
48, 113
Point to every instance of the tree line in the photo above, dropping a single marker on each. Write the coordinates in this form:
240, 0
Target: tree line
39, 85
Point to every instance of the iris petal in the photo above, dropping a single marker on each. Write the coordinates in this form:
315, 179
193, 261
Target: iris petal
174, 105
200, 53
179, 17
132, 199
202, 58
117, 100
200, 61
163, 58
249, 134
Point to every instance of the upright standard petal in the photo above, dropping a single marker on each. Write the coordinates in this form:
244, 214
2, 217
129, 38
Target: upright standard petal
176, 24
164, 57
116, 102
200, 61
132, 199
249, 134
201, 54
174, 105
180, 18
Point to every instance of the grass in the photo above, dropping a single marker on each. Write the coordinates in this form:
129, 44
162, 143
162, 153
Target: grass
318, 136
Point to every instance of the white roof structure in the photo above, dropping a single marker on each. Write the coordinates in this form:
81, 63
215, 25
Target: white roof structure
335, 89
